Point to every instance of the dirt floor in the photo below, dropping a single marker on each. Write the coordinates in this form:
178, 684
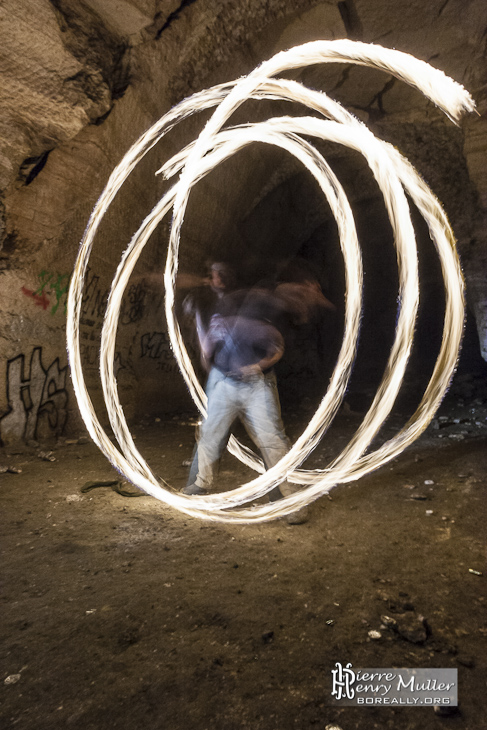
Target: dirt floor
118, 612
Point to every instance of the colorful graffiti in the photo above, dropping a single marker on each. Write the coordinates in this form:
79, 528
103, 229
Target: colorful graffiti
58, 287
52, 291
41, 301
34, 395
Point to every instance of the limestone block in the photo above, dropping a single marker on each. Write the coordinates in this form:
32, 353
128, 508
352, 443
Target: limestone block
49, 90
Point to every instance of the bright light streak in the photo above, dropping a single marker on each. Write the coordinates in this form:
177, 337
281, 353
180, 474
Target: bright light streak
393, 174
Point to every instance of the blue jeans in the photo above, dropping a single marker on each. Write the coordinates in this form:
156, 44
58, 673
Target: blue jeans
256, 403
193, 472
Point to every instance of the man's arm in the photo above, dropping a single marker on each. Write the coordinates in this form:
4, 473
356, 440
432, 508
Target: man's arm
183, 281
303, 299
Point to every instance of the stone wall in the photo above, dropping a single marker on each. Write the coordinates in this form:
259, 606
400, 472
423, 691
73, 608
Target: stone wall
82, 81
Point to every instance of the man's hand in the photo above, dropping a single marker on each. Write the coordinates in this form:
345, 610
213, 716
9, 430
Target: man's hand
191, 281
250, 372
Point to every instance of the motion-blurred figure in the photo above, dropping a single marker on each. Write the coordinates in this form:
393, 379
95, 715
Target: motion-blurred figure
241, 347
240, 344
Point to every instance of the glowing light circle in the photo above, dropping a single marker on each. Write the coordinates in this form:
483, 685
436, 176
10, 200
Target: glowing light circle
392, 173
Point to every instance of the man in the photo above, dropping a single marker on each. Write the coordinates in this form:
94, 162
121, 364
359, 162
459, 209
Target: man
242, 347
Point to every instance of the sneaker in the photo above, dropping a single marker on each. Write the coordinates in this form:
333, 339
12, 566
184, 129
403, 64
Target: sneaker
193, 489
298, 517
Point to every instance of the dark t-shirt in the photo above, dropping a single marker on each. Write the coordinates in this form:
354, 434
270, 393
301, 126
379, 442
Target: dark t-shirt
240, 341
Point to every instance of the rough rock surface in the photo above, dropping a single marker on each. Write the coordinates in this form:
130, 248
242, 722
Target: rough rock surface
81, 82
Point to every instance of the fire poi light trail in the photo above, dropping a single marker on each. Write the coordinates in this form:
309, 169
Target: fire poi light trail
394, 175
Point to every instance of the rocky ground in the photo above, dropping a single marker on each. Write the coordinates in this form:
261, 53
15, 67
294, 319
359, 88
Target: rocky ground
118, 612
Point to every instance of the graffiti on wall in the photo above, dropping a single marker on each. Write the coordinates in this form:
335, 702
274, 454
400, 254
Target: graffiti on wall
133, 306
94, 297
93, 310
39, 300
95, 301
156, 346
35, 395
51, 292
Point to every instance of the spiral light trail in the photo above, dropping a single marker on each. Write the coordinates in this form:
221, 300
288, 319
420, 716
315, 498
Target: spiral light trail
393, 174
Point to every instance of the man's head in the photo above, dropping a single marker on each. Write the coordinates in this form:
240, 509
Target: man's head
222, 277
